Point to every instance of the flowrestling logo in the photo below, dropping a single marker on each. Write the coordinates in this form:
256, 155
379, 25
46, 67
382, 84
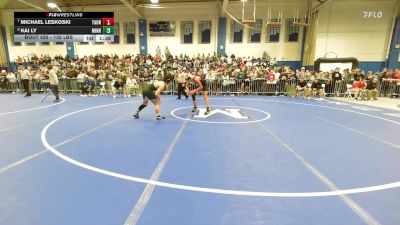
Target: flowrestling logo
372, 14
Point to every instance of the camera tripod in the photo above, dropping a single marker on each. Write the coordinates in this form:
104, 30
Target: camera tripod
47, 94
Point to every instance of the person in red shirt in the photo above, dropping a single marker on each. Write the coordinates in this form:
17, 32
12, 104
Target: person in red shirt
396, 82
271, 76
19, 60
397, 76
270, 85
358, 88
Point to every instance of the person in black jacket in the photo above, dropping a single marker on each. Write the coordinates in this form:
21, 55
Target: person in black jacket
337, 81
316, 87
372, 90
302, 88
118, 85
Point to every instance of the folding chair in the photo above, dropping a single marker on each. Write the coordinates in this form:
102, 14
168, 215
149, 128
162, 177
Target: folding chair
103, 88
347, 94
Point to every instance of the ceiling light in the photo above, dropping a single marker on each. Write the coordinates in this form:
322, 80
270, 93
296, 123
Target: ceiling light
52, 5
154, 1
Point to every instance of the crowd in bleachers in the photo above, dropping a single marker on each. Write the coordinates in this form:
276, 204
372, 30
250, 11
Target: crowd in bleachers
112, 74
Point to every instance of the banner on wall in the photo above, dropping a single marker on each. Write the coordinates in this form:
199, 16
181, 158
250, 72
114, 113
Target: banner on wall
328, 64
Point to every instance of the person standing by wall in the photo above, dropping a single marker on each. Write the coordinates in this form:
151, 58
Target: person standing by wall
53, 81
158, 52
167, 53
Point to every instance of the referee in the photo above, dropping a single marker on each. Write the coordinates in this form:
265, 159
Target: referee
53, 81
26, 77
181, 82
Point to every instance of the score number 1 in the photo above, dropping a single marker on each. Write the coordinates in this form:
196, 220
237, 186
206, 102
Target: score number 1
108, 21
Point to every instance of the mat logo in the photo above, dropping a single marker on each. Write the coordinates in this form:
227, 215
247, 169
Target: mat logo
234, 113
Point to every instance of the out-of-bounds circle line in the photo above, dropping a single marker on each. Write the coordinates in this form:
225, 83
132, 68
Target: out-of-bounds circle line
214, 190
31, 109
221, 122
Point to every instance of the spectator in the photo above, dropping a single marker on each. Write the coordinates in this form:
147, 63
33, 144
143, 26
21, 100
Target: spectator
251, 72
80, 79
131, 86
167, 54
302, 88
302, 73
357, 74
316, 88
3, 79
19, 60
117, 86
358, 88
372, 90
348, 76
337, 81
12, 82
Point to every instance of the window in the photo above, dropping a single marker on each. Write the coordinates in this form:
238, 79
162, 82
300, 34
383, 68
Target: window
45, 43
237, 32
255, 32
273, 32
116, 33
30, 43
205, 31
12, 37
292, 31
187, 32
59, 43
129, 33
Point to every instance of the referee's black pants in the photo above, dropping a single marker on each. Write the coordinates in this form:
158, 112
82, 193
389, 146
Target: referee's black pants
54, 89
181, 89
25, 83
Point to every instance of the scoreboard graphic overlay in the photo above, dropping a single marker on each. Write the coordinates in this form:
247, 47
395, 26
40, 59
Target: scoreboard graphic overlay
64, 26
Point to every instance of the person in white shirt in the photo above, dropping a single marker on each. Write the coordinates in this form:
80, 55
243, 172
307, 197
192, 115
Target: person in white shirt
149, 62
131, 86
80, 79
26, 77
12, 82
11, 78
249, 63
210, 75
229, 60
53, 82
3, 79
181, 82
158, 52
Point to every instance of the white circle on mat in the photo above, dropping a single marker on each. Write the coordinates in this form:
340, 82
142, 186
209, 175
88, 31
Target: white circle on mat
217, 190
